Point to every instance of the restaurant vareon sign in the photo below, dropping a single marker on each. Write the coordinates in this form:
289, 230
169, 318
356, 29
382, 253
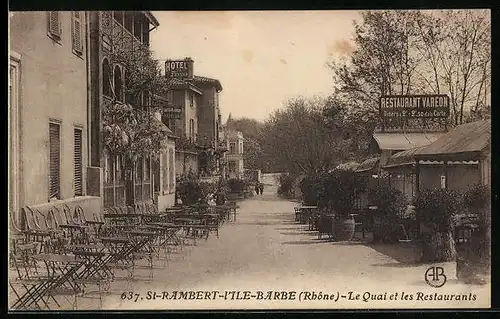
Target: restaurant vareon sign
178, 68
414, 111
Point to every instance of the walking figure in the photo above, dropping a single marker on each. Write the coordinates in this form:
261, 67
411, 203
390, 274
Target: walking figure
261, 188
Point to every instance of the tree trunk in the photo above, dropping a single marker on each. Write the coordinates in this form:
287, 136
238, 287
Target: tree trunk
438, 247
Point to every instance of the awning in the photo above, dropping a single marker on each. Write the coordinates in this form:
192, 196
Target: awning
348, 166
368, 165
404, 141
403, 158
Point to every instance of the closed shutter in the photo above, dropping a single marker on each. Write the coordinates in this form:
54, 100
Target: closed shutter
55, 24
55, 160
77, 32
78, 170
171, 170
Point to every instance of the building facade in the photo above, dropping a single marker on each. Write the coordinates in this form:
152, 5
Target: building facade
48, 108
186, 97
209, 123
200, 121
233, 158
111, 32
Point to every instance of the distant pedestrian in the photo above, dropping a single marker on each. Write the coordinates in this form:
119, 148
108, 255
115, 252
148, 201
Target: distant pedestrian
261, 188
257, 188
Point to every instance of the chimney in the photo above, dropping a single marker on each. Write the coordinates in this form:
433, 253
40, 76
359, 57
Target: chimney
190, 64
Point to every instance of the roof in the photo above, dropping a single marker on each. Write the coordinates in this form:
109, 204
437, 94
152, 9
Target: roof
181, 84
404, 141
472, 137
403, 158
152, 19
368, 164
160, 126
203, 80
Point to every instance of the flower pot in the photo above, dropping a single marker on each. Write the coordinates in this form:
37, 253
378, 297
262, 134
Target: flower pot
343, 228
325, 225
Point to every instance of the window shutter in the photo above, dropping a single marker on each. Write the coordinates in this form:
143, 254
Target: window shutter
78, 170
54, 160
171, 168
55, 24
77, 32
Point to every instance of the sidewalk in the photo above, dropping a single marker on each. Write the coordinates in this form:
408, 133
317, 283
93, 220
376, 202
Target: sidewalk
264, 250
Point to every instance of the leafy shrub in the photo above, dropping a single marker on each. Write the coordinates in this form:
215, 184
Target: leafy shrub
286, 183
477, 199
191, 191
236, 185
309, 187
337, 190
391, 202
437, 207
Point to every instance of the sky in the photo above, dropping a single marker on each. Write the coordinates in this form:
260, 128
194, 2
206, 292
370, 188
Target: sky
261, 58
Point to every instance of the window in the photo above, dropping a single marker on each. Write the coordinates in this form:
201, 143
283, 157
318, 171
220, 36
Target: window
191, 100
146, 98
76, 30
118, 16
232, 148
165, 173
118, 84
156, 175
129, 21
54, 25
147, 169
78, 170
191, 130
145, 32
14, 155
129, 97
241, 148
138, 28
54, 161
106, 78
232, 167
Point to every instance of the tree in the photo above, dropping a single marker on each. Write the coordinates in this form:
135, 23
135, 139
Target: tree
298, 140
417, 52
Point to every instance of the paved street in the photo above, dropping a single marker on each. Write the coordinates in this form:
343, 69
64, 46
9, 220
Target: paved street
265, 250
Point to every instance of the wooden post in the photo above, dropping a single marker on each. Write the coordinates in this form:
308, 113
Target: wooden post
417, 178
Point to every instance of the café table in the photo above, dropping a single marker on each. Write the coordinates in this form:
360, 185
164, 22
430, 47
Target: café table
118, 248
305, 213
60, 272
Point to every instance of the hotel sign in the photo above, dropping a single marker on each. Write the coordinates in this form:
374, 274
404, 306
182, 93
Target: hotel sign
178, 68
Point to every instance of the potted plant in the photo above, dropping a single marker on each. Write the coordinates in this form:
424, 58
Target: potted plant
391, 205
474, 256
337, 195
435, 210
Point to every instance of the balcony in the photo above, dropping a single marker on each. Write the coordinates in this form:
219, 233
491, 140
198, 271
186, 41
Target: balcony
115, 35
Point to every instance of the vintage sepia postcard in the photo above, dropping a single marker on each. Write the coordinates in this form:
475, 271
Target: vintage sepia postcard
249, 160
